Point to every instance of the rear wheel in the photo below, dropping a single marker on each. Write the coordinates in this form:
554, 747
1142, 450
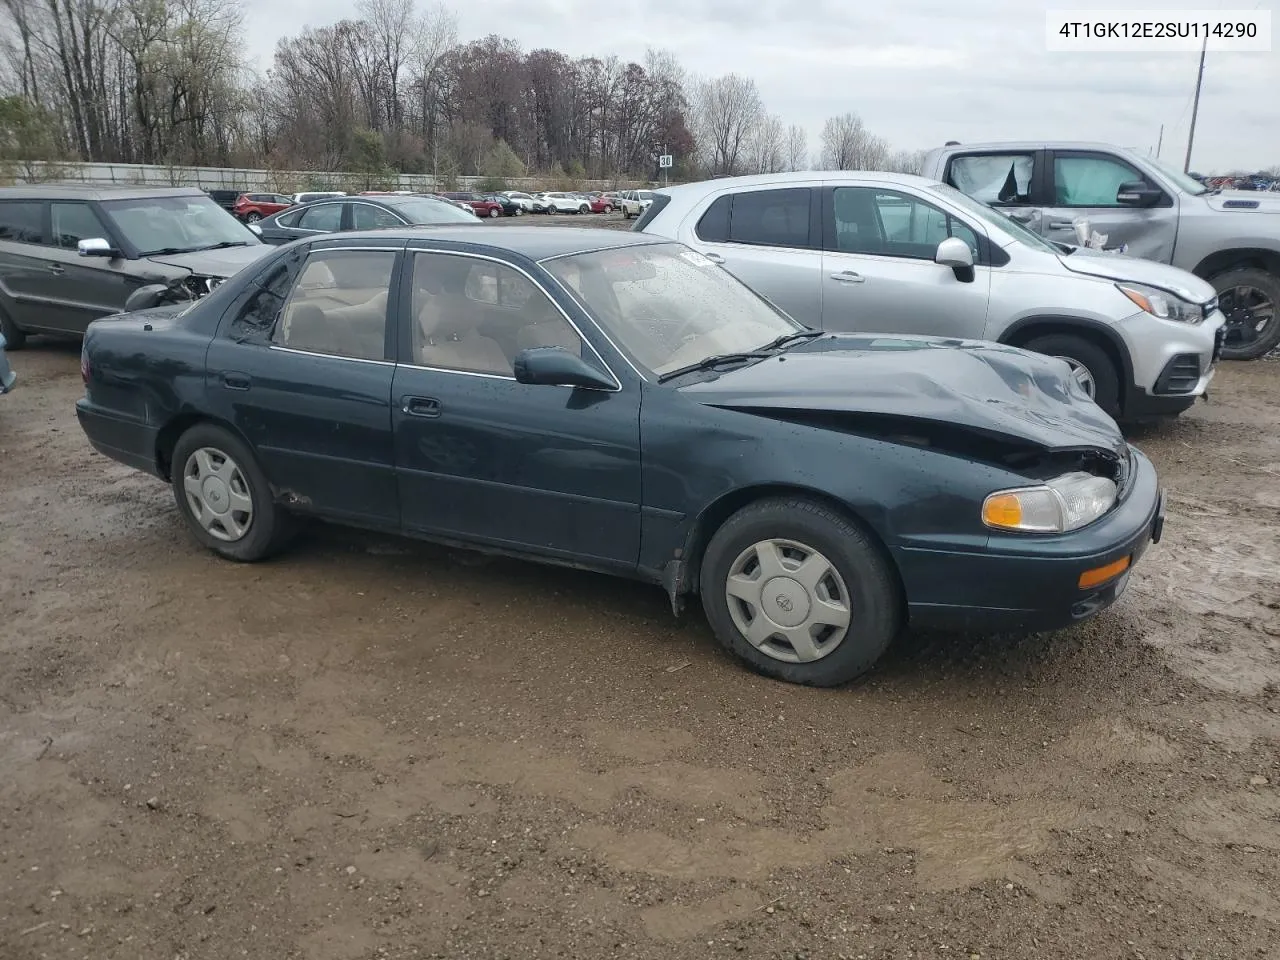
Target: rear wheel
1249, 299
584, 208
519, 211
224, 497
14, 338
552, 209
608, 208
494, 212
1090, 366
253, 216
799, 592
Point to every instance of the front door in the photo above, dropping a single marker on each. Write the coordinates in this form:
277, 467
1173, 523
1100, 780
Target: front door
80, 289
543, 469
878, 269
1084, 184
302, 370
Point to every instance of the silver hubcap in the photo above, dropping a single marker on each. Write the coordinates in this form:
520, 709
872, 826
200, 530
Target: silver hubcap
218, 494
1080, 373
788, 600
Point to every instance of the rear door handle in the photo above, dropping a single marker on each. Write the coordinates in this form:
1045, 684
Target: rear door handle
236, 381
848, 276
714, 257
1061, 225
420, 406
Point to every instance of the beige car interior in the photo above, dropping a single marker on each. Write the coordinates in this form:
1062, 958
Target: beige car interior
476, 316
326, 316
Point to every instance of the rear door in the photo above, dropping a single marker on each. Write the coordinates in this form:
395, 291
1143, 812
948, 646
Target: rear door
878, 269
302, 368
769, 239
1011, 181
24, 267
1084, 184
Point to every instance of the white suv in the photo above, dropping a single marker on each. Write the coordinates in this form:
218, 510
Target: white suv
891, 253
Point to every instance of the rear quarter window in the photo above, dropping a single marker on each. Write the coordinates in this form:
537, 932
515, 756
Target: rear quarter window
713, 226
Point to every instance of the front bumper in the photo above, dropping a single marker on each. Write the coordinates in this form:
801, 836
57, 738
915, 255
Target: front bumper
1153, 344
1029, 583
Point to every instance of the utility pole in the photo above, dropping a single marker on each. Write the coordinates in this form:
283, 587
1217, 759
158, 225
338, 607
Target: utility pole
1160, 142
1195, 108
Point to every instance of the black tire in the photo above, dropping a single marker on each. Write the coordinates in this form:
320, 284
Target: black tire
608, 208
14, 338
874, 597
1106, 378
519, 212
1266, 284
270, 526
252, 216
584, 208
494, 213
552, 209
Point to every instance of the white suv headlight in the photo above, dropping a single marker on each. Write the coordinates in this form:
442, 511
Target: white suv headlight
1069, 502
1163, 303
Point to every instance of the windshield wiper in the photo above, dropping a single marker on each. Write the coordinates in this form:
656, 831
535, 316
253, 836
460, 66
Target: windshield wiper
164, 251
223, 245
787, 338
713, 361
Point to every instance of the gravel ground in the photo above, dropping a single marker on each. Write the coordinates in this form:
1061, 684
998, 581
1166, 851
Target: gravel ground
376, 749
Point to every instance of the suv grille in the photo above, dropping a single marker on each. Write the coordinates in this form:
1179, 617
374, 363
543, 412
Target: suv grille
1180, 375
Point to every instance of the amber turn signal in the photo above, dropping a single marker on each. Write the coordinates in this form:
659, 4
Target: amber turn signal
1003, 510
1100, 575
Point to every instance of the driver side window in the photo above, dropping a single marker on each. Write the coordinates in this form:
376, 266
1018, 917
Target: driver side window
475, 316
1090, 180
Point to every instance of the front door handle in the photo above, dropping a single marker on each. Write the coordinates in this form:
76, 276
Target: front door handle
420, 406
714, 257
236, 381
848, 276
1061, 225
1021, 217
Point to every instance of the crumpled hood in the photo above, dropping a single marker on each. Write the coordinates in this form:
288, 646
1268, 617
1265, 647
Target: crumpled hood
992, 389
1117, 267
1244, 201
215, 263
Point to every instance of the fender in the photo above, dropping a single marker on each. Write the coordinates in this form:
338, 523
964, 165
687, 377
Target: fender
1065, 324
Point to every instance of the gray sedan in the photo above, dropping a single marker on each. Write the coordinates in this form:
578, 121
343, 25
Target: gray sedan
361, 213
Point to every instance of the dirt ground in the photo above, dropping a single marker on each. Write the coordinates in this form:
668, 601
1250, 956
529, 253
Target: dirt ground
375, 749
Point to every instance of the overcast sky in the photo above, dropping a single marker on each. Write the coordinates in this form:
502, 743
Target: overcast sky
919, 72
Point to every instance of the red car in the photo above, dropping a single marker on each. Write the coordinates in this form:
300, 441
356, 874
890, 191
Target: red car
482, 207
252, 207
602, 204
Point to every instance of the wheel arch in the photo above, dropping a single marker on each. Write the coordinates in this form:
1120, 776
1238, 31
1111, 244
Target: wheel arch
683, 581
1027, 329
169, 434
1238, 258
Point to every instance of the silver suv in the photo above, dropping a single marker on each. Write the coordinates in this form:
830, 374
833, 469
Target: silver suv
1160, 213
892, 253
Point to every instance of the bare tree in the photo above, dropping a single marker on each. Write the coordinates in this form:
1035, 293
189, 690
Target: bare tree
848, 145
905, 161
767, 153
797, 148
726, 110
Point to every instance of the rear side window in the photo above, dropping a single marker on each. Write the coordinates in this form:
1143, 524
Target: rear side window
994, 178
365, 216
20, 221
714, 224
289, 219
339, 305
73, 222
771, 218
322, 216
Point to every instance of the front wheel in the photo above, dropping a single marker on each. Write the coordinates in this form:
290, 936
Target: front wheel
252, 217
608, 208
224, 497
1249, 300
585, 208
519, 211
494, 212
552, 209
1090, 366
799, 592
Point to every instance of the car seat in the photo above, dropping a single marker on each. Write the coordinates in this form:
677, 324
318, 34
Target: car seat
447, 332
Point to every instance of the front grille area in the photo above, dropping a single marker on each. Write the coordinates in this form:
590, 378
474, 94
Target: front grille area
1180, 375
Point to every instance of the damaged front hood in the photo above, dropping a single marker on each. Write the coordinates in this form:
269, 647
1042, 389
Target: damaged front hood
1122, 269
215, 263
994, 390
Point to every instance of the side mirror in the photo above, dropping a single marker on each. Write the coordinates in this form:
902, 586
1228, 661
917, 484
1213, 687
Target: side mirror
1138, 193
255, 229
96, 247
955, 253
144, 298
557, 367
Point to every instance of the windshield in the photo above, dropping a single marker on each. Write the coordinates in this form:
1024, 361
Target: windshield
1182, 181
995, 218
177, 224
668, 306
425, 211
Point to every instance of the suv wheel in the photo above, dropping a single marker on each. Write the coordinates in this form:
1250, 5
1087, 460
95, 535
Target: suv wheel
552, 209
1249, 299
253, 216
494, 212
799, 592
1089, 363
14, 338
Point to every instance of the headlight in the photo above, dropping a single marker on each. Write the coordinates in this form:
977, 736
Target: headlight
1067, 503
1162, 303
